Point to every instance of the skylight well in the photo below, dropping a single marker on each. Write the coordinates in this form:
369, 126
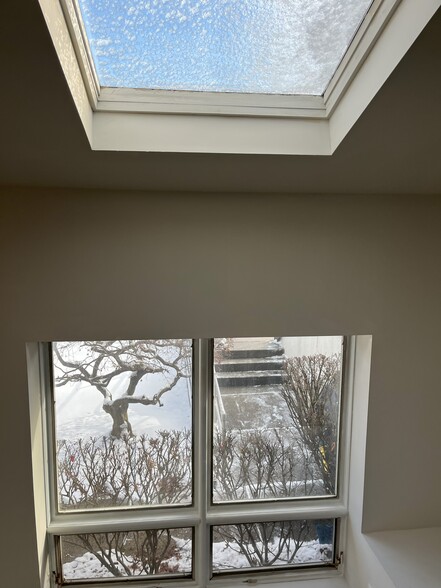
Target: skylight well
290, 47
280, 77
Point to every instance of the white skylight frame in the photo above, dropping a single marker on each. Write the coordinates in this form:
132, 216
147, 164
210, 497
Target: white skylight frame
228, 103
217, 122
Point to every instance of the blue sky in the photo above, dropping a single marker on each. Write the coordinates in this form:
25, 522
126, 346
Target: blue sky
266, 46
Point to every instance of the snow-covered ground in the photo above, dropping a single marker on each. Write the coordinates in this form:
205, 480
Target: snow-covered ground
225, 558
88, 566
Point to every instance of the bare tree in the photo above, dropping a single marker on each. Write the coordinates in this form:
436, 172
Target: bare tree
311, 392
98, 363
222, 348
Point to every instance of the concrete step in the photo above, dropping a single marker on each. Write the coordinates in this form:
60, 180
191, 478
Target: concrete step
255, 353
265, 390
248, 364
250, 378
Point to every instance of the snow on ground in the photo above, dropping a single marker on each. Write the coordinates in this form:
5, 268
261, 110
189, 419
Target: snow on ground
88, 566
224, 558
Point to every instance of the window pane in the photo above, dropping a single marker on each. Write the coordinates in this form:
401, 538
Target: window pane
123, 419
262, 545
275, 417
127, 553
271, 46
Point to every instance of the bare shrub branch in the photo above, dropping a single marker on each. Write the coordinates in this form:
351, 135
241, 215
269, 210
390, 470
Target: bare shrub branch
311, 392
105, 472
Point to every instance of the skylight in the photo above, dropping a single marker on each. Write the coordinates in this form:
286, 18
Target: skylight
279, 77
243, 46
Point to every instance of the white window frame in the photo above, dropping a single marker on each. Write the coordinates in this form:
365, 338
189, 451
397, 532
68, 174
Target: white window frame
201, 515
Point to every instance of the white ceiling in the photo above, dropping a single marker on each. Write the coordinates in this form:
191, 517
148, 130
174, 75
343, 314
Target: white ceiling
395, 147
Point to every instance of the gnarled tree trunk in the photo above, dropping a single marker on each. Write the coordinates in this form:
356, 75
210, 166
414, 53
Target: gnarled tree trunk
121, 425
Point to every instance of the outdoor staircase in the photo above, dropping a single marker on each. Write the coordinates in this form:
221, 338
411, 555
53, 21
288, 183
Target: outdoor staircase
248, 384
251, 362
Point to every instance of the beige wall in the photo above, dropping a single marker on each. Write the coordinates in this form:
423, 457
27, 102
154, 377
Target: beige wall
107, 265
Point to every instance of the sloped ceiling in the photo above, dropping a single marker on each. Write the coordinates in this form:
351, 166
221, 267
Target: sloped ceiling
395, 147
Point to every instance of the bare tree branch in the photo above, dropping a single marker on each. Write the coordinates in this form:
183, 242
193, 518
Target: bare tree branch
311, 393
98, 363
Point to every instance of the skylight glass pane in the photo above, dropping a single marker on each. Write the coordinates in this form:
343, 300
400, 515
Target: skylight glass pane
254, 46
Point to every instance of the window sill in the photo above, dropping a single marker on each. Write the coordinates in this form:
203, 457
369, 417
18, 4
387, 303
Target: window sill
319, 579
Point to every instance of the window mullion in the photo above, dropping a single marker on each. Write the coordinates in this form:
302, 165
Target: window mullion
203, 385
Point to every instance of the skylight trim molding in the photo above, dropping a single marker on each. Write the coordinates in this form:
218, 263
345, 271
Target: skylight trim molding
218, 103
63, 44
397, 36
187, 133
82, 49
359, 49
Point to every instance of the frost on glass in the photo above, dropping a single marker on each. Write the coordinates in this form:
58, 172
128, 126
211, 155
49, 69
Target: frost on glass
93, 556
276, 407
261, 46
123, 422
281, 543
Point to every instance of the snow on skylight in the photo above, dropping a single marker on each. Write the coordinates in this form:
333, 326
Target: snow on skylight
258, 46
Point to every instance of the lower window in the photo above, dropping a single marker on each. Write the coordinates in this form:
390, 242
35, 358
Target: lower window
191, 460
288, 544
137, 554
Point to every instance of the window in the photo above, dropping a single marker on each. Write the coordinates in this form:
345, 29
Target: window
196, 462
